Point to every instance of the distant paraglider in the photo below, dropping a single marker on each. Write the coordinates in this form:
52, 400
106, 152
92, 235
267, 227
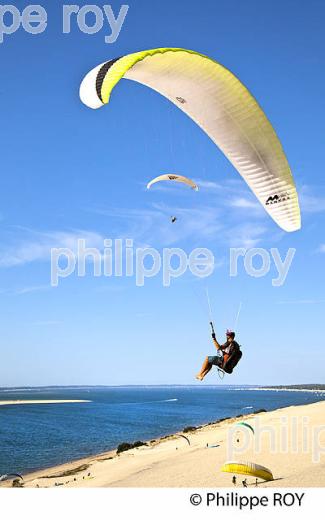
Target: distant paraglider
186, 438
222, 106
10, 476
244, 425
175, 178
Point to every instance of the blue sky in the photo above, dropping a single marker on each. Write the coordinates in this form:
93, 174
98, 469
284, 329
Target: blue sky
68, 171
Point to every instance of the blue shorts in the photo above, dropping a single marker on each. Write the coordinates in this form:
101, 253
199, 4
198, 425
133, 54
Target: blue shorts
216, 360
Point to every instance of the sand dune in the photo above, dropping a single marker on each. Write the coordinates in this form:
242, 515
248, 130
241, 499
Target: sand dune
289, 441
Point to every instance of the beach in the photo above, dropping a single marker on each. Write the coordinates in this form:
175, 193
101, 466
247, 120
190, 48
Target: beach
289, 441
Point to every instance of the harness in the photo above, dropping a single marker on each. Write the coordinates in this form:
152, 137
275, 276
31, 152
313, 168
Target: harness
233, 359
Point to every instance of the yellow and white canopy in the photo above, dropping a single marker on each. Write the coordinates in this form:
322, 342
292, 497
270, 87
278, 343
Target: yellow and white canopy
222, 106
247, 468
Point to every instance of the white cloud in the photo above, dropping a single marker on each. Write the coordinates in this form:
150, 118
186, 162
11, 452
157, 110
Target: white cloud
143, 315
243, 203
154, 227
301, 302
109, 288
309, 202
36, 246
32, 289
245, 235
208, 185
47, 323
207, 224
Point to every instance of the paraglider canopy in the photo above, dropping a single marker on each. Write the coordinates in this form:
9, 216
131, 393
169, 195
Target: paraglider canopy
175, 178
10, 476
184, 437
247, 468
246, 426
222, 106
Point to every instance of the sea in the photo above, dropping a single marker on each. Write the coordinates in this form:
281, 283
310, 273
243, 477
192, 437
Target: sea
37, 436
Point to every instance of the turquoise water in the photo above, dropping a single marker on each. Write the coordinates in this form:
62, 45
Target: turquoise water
39, 436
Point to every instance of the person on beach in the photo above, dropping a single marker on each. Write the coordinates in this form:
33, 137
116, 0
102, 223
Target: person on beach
229, 351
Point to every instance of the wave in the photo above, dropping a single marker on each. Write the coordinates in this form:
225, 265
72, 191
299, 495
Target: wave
149, 402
